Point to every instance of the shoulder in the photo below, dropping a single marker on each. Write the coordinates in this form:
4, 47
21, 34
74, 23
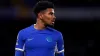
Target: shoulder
57, 33
54, 31
25, 30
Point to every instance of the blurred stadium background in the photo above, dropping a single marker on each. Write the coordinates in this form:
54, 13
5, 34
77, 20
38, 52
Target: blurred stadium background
78, 20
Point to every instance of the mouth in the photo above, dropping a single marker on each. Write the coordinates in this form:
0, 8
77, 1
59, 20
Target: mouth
53, 21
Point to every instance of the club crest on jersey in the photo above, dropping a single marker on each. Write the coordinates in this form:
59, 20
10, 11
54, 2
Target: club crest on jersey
49, 39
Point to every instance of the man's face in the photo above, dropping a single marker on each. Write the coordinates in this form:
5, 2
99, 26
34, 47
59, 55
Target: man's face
48, 17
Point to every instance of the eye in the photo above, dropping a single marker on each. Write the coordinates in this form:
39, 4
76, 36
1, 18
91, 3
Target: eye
51, 13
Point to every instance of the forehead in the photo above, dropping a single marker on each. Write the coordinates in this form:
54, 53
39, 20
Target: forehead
50, 10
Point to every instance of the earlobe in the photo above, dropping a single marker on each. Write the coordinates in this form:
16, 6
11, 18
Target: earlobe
39, 15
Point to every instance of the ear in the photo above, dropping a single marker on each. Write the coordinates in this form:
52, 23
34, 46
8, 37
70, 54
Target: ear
40, 15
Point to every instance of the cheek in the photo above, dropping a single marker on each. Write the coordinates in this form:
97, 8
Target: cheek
47, 18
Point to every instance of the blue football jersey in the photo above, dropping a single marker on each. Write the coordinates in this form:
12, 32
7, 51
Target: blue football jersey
33, 42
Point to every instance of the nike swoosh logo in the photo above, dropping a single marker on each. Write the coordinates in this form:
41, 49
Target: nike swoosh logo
30, 39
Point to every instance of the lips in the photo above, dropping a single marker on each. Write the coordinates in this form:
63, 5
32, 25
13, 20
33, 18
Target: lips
53, 20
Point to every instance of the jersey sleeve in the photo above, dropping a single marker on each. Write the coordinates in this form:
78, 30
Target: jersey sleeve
19, 47
60, 45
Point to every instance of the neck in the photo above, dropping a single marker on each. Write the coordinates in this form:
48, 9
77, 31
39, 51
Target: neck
39, 25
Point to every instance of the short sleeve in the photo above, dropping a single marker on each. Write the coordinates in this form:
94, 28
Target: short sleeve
19, 47
60, 45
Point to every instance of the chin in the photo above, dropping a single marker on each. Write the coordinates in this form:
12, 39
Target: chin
50, 25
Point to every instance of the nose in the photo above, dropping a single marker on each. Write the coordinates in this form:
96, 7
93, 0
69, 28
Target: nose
54, 17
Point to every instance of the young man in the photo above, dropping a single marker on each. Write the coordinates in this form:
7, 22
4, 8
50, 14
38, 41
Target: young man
40, 39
